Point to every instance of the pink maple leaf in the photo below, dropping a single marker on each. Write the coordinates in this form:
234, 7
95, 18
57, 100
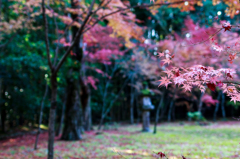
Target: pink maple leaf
234, 99
187, 87
169, 73
168, 61
160, 54
164, 81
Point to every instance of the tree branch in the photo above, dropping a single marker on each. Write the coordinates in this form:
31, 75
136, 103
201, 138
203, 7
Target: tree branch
46, 35
79, 33
130, 7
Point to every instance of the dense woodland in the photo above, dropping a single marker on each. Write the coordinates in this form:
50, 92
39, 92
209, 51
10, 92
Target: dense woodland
73, 66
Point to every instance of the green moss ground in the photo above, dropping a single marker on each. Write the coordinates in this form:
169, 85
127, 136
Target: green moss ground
219, 140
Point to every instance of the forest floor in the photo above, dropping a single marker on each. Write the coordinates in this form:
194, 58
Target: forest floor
215, 141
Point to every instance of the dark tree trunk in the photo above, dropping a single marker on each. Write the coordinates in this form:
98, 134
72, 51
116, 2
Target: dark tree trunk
40, 116
132, 103
222, 106
173, 112
217, 106
52, 114
164, 109
86, 105
72, 124
88, 116
157, 114
138, 108
61, 119
171, 106
200, 102
101, 122
2, 108
3, 117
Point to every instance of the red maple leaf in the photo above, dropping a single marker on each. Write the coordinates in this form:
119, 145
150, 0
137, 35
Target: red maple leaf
177, 73
204, 68
219, 84
227, 26
161, 154
211, 86
229, 75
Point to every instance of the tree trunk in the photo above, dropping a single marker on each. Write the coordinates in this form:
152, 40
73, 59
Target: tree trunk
173, 112
157, 114
86, 105
101, 122
3, 117
40, 116
200, 102
171, 106
164, 109
72, 124
131, 103
217, 106
222, 106
88, 116
2, 108
62, 119
138, 108
52, 114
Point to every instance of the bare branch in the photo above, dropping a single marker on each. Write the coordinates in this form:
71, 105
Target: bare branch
131, 7
99, 7
79, 33
46, 34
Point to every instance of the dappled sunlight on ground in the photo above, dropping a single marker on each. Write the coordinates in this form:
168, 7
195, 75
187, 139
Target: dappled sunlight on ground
218, 140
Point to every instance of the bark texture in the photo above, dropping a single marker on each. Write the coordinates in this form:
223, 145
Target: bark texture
72, 126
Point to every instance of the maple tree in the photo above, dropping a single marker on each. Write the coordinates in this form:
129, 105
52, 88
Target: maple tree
199, 75
85, 20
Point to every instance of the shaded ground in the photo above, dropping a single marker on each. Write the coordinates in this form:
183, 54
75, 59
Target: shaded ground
220, 140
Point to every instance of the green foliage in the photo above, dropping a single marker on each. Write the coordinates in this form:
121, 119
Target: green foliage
196, 116
146, 92
235, 105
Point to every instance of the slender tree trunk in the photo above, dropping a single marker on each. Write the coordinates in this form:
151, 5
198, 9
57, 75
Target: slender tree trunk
157, 114
40, 116
222, 106
52, 114
170, 111
72, 126
164, 109
101, 122
200, 103
88, 116
138, 108
217, 106
171, 106
132, 103
173, 112
2, 108
62, 119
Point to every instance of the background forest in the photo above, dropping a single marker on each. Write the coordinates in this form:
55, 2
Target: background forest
81, 66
